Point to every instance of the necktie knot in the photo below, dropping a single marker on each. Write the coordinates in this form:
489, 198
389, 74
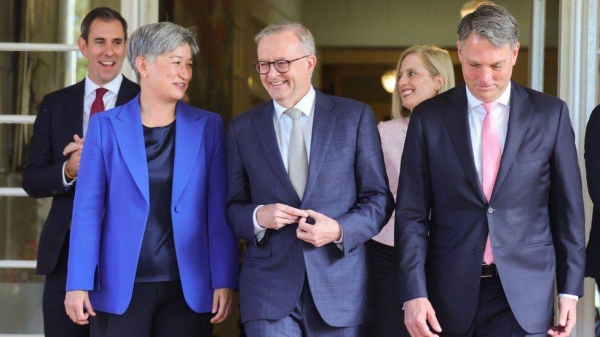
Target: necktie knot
98, 104
100, 92
489, 106
293, 113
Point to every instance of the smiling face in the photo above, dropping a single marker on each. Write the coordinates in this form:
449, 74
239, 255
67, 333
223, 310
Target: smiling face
168, 75
104, 49
288, 88
486, 68
415, 82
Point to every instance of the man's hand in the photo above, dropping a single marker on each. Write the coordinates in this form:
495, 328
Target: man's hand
417, 313
75, 302
324, 231
74, 150
277, 216
567, 309
221, 306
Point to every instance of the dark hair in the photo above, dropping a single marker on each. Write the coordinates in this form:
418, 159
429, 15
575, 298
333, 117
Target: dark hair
105, 14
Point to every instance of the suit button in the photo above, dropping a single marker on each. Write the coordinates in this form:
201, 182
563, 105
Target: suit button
480, 249
491, 210
178, 209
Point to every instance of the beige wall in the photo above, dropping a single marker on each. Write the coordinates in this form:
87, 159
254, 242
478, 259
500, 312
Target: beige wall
393, 23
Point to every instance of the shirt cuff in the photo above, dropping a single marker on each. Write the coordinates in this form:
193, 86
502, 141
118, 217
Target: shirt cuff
259, 231
64, 178
573, 297
340, 243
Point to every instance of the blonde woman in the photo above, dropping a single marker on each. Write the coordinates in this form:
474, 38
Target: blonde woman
422, 72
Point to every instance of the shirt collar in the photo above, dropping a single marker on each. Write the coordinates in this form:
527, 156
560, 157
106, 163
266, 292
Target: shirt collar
504, 99
112, 86
305, 104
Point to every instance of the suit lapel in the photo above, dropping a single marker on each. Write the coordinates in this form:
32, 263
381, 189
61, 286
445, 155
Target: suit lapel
322, 131
127, 91
189, 140
130, 137
265, 131
456, 118
521, 110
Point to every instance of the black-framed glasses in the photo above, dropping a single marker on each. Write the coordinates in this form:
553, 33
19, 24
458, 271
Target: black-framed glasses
282, 66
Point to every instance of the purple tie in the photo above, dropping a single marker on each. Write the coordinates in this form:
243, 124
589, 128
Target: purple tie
490, 146
98, 104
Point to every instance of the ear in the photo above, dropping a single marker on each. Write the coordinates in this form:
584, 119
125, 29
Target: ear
515, 53
82, 46
312, 63
141, 63
459, 50
439, 81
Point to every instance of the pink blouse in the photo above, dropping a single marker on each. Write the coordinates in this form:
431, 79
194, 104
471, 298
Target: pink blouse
393, 135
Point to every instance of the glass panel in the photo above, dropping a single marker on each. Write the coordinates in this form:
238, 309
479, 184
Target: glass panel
42, 21
21, 221
21, 306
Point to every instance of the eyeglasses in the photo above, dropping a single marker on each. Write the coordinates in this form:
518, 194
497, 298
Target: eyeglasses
282, 66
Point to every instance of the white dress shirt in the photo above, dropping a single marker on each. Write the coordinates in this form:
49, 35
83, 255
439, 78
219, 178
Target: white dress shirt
500, 114
109, 99
283, 130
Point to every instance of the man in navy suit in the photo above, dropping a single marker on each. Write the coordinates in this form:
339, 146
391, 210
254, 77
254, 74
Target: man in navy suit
304, 211
489, 211
55, 150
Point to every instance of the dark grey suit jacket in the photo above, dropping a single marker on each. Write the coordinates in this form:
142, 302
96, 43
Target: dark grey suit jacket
346, 181
60, 117
535, 216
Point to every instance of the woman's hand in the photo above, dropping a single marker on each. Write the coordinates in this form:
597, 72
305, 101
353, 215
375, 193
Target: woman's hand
221, 306
75, 303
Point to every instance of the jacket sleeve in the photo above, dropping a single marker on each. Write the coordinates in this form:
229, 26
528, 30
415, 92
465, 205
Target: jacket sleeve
43, 174
88, 212
222, 243
567, 217
412, 213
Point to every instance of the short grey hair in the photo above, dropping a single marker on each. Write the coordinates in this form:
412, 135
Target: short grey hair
155, 39
303, 34
492, 22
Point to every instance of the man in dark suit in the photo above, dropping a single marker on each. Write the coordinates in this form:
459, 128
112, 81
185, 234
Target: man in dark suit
489, 211
307, 188
55, 150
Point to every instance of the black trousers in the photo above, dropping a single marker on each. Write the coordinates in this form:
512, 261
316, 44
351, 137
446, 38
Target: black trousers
56, 321
389, 317
157, 309
494, 318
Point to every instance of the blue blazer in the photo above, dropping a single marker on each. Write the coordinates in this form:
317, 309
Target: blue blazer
346, 181
112, 204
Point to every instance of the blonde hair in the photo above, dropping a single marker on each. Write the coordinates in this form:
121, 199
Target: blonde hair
437, 62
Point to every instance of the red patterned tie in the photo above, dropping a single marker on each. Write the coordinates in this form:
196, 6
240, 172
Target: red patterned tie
490, 149
98, 104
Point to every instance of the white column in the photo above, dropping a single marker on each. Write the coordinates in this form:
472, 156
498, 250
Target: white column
137, 13
577, 86
537, 45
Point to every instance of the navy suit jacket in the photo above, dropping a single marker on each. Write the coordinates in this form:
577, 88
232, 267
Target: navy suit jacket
535, 216
592, 166
112, 204
59, 118
346, 181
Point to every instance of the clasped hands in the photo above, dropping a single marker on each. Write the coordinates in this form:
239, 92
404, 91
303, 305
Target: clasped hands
73, 150
324, 230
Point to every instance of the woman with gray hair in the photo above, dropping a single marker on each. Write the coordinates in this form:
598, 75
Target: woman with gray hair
151, 252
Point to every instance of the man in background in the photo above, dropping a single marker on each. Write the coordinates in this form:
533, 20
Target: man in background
55, 150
